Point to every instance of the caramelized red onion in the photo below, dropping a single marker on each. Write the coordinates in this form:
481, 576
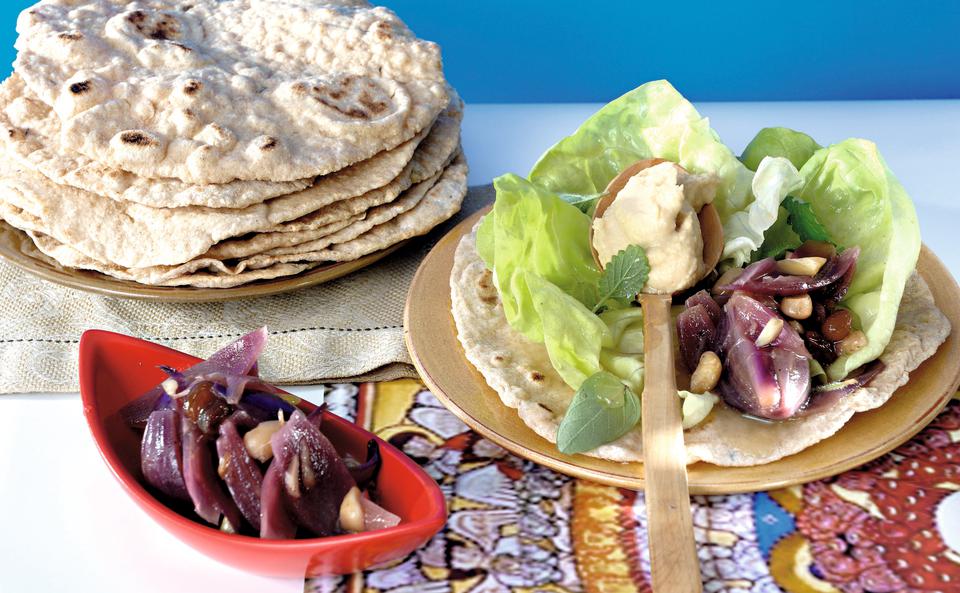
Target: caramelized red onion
762, 278
825, 396
772, 381
214, 404
200, 477
365, 474
234, 359
697, 333
161, 456
240, 472
305, 483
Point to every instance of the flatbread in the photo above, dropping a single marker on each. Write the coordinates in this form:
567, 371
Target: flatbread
447, 189
132, 235
32, 137
441, 203
12, 236
210, 91
440, 146
521, 373
277, 243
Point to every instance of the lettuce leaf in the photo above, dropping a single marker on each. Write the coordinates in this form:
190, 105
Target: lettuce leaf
777, 239
792, 145
532, 230
743, 232
856, 197
572, 334
653, 120
580, 343
538, 248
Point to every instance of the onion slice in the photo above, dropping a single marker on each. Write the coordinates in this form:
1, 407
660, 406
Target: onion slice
762, 278
234, 359
240, 472
161, 457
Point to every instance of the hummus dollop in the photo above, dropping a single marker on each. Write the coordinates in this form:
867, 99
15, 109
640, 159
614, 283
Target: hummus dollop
657, 210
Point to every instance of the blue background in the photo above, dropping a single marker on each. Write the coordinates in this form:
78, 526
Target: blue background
503, 51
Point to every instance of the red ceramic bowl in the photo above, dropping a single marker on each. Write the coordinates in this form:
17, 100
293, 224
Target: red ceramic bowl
115, 369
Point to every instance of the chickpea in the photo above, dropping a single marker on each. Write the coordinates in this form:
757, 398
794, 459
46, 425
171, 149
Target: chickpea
257, 439
351, 511
707, 373
837, 326
854, 341
797, 307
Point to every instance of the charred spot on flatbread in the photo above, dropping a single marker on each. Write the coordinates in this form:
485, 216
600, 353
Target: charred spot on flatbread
80, 87
161, 27
191, 87
137, 138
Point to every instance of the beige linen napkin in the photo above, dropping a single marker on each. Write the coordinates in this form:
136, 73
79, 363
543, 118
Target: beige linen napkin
347, 329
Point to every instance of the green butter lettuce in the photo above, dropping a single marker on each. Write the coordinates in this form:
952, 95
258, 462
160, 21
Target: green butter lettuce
625, 357
792, 145
532, 230
580, 343
653, 120
572, 334
744, 230
777, 239
537, 246
856, 197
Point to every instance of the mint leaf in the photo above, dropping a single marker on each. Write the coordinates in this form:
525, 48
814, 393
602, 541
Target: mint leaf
804, 222
624, 275
602, 410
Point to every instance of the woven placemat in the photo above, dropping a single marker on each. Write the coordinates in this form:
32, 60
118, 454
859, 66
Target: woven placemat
349, 329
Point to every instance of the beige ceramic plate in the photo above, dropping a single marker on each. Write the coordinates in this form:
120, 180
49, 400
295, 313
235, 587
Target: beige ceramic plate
102, 284
432, 340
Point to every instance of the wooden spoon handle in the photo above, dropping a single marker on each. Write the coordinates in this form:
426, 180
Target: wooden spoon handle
674, 565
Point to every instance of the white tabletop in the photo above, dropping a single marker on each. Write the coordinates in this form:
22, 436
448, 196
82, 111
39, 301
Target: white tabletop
66, 524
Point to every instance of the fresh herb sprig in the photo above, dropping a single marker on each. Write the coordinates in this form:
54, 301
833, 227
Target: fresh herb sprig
804, 221
624, 275
602, 410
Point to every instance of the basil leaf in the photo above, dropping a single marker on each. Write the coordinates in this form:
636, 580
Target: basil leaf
586, 203
602, 410
804, 222
624, 275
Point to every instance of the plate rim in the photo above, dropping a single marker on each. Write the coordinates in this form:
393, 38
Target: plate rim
94, 282
636, 483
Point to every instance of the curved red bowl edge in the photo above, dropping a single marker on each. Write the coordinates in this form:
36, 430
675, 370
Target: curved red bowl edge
421, 530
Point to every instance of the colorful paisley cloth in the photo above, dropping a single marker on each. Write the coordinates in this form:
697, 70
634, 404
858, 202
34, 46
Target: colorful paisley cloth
516, 526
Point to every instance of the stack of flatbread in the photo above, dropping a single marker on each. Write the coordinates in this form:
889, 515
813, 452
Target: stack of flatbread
212, 143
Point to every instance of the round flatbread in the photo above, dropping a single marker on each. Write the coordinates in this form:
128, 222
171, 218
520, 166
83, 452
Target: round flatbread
209, 91
132, 235
416, 212
32, 138
522, 375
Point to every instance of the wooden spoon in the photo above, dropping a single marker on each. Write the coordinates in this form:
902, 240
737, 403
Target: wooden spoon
674, 565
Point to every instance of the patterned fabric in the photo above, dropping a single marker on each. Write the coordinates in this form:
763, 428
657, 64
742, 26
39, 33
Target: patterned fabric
515, 526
